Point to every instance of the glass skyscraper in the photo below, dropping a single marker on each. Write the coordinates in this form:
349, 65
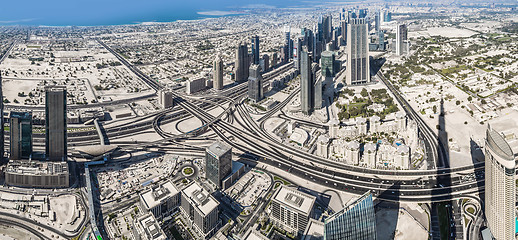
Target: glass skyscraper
218, 160
20, 135
356, 221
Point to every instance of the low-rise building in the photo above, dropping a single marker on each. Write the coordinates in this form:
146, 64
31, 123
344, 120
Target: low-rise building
37, 174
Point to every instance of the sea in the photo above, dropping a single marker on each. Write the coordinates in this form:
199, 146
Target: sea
121, 12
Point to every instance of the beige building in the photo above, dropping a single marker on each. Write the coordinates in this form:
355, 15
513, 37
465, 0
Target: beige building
161, 200
500, 188
291, 209
37, 174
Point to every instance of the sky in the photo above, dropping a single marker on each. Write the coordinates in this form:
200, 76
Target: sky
116, 12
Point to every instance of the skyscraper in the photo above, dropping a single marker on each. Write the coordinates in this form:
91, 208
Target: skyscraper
288, 44
377, 21
356, 221
343, 25
255, 83
327, 62
401, 38
20, 131
255, 49
317, 87
218, 73
218, 161
241, 64
297, 49
56, 123
500, 188
358, 71
306, 83
266, 59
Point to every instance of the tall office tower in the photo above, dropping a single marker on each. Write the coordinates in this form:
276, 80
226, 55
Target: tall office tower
218, 161
56, 123
283, 55
275, 59
358, 71
255, 49
500, 188
241, 62
377, 21
297, 50
327, 62
320, 35
200, 209
255, 83
343, 26
288, 44
317, 87
165, 98
387, 16
327, 28
266, 59
381, 40
356, 221
306, 83
20, 135
218, 73
401, 37
2, 139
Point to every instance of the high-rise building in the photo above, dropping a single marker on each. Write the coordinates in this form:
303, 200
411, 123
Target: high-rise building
218, 161
297, 49
266, 64
500, 186
291, 209
241, 64
306, 83
317, 87
255, 49
20, 129
343, 26
2, 139
357, 71
356, 221
288, 44
255, 84
387, 16
56, 123
200, 208
165, 98
327, 63
218, 73
377, 21
401, 38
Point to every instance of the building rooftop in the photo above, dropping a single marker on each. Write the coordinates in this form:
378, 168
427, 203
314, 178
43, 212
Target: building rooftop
252, 234
218, 148
21, 115
296, 199
151, 228
36, 167
155, 195
200, 198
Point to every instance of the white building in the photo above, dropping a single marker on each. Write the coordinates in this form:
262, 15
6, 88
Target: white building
291, 209
374, 124
161, 200
369, 155
165, 98
149, 229
195, 85
500, 186
402, 157
200, 208
361, 124
323, 146
352, 153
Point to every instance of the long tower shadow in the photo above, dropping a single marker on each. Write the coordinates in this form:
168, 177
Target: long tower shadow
443, 212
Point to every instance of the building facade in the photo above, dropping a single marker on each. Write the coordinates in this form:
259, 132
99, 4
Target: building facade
165, 99
218, 161
255, 83
356, 221
500, 186
241, 64
161, 200
327, 64
36, 174
358, 71
20, 134
200, 208
401, 39
56, 123
306, 83
255, 49
218, 73
291, 209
